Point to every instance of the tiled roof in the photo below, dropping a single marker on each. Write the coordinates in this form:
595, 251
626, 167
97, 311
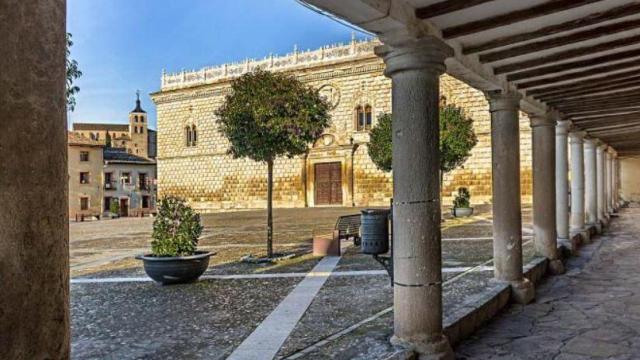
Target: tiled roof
79, 140
104, 127
121, 156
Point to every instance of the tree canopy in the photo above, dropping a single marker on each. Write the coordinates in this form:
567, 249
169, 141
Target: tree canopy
457, 138
268, 115
380, 143
73, 72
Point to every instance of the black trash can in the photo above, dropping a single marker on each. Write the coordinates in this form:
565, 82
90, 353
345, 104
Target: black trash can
374, 231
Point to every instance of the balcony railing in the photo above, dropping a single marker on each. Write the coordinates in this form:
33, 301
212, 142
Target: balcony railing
110, 185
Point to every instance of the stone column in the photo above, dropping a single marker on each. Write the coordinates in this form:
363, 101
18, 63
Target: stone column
616, 176
562, 183
614, 191
414, 67
507, 216
600, 183
544, 189
577, 186
607, 181
34, 232
590, 181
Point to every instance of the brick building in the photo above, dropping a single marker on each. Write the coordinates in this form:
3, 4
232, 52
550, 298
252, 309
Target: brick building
337, 171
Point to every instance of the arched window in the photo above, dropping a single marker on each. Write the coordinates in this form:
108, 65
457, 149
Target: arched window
187, 135
141, 130
135, 117
141, 118
194, 136
135, 129
363, 118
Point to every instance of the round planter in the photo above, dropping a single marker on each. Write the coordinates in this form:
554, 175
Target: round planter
175, 270
462, 212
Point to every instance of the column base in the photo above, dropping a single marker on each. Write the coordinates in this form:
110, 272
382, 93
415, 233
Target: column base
426, 349
556, 267
598, 226
570, 245
523, 292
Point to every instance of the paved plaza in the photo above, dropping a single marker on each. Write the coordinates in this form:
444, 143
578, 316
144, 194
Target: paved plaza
117, 312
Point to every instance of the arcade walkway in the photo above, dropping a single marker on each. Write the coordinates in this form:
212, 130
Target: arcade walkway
593, 312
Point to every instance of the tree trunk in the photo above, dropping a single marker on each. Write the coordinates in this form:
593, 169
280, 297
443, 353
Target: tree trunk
269, 208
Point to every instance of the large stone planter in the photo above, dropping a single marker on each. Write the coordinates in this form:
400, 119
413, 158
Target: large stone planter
462, 212
176, 270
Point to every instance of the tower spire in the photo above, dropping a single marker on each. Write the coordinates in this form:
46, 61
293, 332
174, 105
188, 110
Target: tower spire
138, 108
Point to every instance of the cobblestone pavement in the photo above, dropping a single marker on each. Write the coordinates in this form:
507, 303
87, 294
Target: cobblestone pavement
592, 312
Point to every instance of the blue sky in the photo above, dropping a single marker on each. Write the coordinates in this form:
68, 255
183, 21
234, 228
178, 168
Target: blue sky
123, 45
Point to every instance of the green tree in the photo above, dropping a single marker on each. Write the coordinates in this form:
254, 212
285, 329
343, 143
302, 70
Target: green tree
269, 115
73, 73
108, 140
457, 138
380, 143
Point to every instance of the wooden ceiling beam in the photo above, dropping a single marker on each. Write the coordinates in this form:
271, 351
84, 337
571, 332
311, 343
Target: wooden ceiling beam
604, 114
546, 44
614, 117
579, 74
625, 84
585, 84
603, 104
568, 54
546, 8
591, 19
614, 96
446, 7
613, 106
570, 114
597, 61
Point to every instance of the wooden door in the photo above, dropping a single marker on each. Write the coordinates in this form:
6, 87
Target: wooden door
328, 184
124, 207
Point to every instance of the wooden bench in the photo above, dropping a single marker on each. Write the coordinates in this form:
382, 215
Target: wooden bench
347, 227
80, 216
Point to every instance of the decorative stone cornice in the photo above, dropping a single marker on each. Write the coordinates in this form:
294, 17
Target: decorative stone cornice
297, 59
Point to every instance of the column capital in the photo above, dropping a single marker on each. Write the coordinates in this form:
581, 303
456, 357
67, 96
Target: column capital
547, 119
503, 100
577, 136
590, 143
562, 127
426, 53
603, 146
612, 151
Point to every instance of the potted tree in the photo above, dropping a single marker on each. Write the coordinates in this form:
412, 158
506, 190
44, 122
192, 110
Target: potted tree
174, 258
461, 207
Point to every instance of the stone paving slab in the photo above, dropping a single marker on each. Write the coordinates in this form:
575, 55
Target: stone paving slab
592, 312
203, 320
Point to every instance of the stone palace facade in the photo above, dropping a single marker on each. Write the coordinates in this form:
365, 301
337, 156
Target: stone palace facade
337, 171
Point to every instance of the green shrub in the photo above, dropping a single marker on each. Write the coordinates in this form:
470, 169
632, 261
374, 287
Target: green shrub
114, 207
462, 199
176, 229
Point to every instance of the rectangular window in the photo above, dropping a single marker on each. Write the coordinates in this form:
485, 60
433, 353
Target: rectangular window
84, 203
126, 178
84, 178
142, 181
84, 156
145, 202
